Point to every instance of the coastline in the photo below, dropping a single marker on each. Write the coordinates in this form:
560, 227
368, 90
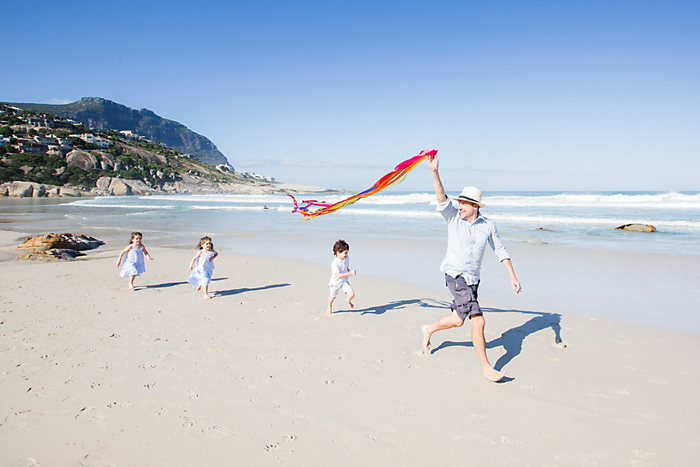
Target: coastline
188, 185
259, 375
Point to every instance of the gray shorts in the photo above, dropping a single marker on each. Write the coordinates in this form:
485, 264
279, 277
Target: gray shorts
465, 302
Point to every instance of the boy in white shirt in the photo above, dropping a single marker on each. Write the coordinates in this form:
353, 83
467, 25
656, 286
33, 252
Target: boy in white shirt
340, 271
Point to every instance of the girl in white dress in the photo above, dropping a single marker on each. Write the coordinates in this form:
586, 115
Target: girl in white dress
134, 263
202, 266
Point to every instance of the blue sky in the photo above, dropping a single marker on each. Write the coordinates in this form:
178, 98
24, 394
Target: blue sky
515, 95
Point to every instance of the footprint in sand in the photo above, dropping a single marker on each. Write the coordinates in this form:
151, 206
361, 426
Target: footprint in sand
217, 431
95, 460
506, 440
90, 413
289, 437
271, 447
485, 441
29, 462
642, 454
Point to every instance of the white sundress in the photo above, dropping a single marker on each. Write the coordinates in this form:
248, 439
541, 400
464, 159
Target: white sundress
133, 263
201, 274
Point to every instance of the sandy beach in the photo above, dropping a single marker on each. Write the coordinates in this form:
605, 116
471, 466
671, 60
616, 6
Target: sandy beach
93, 374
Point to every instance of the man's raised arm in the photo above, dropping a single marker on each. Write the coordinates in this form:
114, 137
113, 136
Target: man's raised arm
437, 183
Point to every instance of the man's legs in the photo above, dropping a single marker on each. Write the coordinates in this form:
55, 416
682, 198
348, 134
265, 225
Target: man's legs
449, 321
479, 341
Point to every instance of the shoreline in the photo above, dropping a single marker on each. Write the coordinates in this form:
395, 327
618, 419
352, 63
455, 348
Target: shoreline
260, 375
23, 189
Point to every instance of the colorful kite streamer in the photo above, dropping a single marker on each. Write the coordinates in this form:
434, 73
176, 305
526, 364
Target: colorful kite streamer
396, 176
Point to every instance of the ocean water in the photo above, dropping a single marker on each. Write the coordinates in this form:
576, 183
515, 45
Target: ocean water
585, 220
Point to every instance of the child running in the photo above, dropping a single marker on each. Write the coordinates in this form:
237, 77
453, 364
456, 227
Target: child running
340, 271
134, 263
202, 271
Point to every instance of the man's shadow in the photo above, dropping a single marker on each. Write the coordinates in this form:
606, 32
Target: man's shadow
395, 305
512, 339
225, 293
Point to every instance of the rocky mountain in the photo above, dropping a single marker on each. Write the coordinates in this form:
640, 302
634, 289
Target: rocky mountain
103, 114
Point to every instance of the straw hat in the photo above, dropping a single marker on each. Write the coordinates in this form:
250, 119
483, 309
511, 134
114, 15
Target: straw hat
471, 194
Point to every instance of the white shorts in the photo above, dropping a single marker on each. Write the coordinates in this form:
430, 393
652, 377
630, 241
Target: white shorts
347, 288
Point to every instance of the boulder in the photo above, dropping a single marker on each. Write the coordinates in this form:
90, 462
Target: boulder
70, 192
102, 183
106, 161
118, 187
637, 227
39, 191
49, 255
21, 189
82, 159
65, 246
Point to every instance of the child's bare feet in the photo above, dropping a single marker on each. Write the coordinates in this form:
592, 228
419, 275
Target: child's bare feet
426, 338
199, 288
352, 307
206, 297
329, 311
493, 375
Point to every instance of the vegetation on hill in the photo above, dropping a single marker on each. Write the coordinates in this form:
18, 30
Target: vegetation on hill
39, 148
102, 114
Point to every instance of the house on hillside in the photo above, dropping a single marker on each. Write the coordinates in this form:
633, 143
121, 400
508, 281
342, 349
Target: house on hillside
29, 146
92, 139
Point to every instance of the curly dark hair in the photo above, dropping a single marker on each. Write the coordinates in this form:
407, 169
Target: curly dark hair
340, 245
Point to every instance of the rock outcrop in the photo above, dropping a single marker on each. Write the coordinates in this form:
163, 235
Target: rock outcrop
82, 159
65, 246
111, 186
36, 190
637, 227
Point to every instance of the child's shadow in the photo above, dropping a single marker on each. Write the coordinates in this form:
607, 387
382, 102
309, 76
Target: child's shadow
396, 305
225, 293
165, 285
512, 339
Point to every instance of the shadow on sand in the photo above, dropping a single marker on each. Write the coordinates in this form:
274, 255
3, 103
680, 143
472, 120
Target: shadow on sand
397, 305
165, 285
512, 339
226, 293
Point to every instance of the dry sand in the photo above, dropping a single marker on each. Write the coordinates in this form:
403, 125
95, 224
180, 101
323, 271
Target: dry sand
92, 374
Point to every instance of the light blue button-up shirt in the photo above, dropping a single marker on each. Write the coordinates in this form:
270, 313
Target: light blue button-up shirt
466, 243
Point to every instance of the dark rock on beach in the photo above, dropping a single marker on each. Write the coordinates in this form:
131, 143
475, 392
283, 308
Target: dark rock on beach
637, 227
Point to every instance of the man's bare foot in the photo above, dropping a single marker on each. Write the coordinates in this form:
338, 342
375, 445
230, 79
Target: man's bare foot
493, 375
426, 338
